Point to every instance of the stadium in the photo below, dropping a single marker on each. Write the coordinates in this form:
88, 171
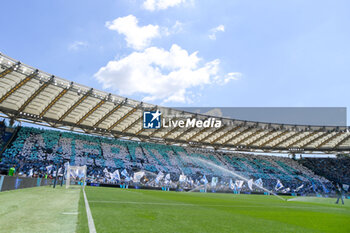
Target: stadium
74, 158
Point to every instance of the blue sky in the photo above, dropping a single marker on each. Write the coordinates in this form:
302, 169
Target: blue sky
189, 52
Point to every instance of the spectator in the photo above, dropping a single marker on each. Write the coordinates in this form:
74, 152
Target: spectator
12, 170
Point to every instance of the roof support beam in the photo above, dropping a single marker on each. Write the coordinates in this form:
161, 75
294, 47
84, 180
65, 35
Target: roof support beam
107, 115
132, 124
140, 131
91, 111
123, 117
249, 136
287, 138
57, 98
328, 140
260, 137
9, 70
212, 133
160, 129
187, 131
274, 138
198, 133
225, 134
35, 94
19, 85
314, 140
237, 135
302, 139
170, 132
342, 141
76, 104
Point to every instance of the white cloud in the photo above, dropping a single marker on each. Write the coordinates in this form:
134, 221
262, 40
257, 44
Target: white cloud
176, 28
136, 37
153, 5
159, 74
76, 45
220, 28
231, 76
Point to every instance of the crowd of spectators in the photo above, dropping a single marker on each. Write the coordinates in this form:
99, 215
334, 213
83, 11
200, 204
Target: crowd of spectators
35, 149
334, 169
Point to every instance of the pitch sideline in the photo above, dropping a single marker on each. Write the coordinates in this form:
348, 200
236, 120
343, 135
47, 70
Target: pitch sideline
91, 223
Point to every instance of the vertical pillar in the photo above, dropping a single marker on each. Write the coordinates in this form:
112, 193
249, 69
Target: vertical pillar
1, 181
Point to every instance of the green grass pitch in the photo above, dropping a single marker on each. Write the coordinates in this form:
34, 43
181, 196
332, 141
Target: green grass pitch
116, 210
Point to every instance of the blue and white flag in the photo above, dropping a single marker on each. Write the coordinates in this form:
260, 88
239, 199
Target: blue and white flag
167, 177
279, 185
238, 184
204, 180
125, 173
259, 182
346, 187
159, 177
115, 175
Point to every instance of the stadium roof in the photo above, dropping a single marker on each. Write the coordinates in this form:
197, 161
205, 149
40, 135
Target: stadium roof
30, 95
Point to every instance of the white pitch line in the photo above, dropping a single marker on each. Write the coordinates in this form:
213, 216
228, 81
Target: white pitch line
237, 206
70, 213
91, 223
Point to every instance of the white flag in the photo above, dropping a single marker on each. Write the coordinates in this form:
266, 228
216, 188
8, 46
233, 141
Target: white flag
298, 188
182, 178
232, 186
30, 172
107, 173
138, 176
167, 178
250, 184
214, 181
